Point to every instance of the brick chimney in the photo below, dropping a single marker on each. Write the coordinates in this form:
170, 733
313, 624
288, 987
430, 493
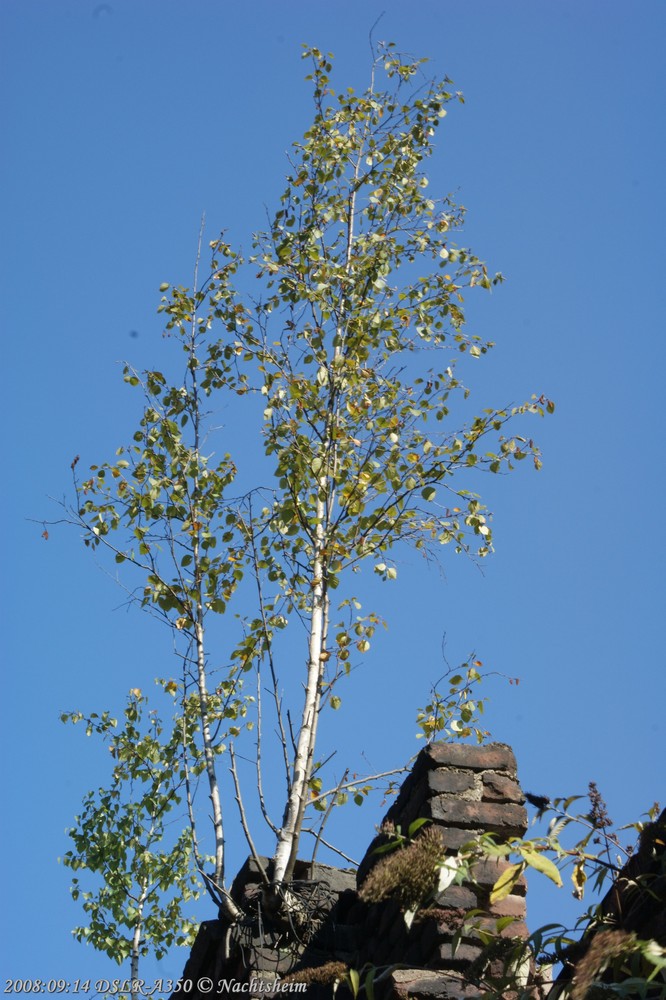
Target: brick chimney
464, 791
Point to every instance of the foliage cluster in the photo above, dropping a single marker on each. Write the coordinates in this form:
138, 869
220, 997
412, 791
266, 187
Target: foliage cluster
143, 884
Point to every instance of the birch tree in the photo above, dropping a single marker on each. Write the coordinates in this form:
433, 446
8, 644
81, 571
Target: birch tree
348, 360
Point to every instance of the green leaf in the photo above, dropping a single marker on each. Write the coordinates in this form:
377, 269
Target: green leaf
370, 983
416, 825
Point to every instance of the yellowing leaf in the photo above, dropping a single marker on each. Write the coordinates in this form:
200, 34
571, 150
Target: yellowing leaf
542, 864
135, 692
506, 882
579, 878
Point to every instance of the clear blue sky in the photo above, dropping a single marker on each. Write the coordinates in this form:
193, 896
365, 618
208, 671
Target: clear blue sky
121, 123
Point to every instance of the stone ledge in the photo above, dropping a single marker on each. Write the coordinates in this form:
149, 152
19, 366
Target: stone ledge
489, 757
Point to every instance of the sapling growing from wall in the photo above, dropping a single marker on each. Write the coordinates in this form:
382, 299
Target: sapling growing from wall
345, 357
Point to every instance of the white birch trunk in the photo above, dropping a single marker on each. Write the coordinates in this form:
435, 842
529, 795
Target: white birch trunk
287, 846
289, 835
226, 902
136, 941
213, 787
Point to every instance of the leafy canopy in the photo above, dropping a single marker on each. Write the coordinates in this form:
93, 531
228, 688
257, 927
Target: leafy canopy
349, 343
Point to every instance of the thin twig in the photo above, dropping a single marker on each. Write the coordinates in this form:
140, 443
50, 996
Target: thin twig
260, 784
336, 850
357, 781
243, 818
271, 662
324, 821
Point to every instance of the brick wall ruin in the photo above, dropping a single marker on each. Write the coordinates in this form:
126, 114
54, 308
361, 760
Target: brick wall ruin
356, 919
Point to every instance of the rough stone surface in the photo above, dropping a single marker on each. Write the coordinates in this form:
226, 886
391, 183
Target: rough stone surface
491, 756
511, 906
414, 790
499, 788
420, 984
457, 896
488, 870
508, 819
441, 780
457, 957
454, 838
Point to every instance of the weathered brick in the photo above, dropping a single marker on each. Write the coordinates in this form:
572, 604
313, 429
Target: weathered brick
379, 951
422, 984
407, 808
491, 757
507, 819
464, 953
416, 952
510, 906
499, 788
517, 929
442, 779
454, 838
456, 896
425, 931
397, 936
488, 870
388, 915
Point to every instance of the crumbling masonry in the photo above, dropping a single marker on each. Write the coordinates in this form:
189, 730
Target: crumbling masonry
356, 920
